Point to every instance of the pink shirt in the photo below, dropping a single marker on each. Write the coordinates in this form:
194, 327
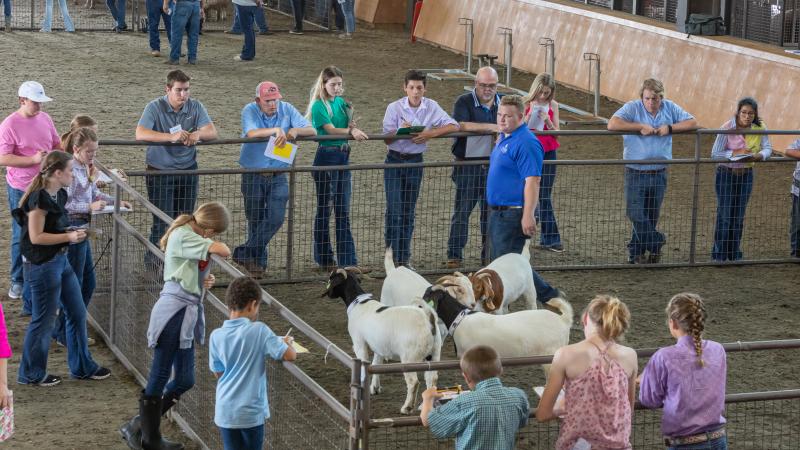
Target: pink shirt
24, 136
5, 348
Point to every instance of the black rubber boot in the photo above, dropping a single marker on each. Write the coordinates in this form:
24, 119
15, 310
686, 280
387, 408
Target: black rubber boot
169, 400
132, 433
150, 413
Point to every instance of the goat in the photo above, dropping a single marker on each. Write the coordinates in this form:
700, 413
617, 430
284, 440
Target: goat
408, 333
402, 285
504, 281
220, 6
522, 333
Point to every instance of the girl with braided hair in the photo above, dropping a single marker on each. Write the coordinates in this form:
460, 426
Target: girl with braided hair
687, 380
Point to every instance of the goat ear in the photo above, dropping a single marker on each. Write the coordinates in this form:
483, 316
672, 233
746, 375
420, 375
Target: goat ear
334, 280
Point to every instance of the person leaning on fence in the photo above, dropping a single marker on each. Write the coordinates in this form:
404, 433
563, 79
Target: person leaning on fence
515, 168
52, 281
653, 119
475, 111
237, 354
173, 118
734, 180
794, 227
486, 417
598, 377
26, 136
331, 114
402, 184
185, 15
266, 193
84, 197
541, 111
687, 380
177, 320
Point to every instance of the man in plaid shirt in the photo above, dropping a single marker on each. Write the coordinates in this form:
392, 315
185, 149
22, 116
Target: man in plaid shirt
489, 416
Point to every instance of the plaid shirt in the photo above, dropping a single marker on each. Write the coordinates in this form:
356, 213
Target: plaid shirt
486, 418
82, 192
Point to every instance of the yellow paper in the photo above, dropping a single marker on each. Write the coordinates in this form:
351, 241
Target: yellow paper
284, 151
299, 348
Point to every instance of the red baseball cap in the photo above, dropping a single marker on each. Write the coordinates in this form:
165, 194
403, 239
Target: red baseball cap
267, 90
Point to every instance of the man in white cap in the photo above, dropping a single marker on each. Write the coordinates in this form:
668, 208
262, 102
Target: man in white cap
26, 135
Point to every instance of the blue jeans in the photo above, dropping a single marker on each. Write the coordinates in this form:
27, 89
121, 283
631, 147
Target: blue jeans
348, 10
265, 197
402, 190
794, 227
168, 356
14, 196
185, 16
7, 8
470, 184
247, 15
80, 259
505, 236
261, 21
154, 17
733, 192
333, 186
53, 282
117, 8
47, 23
545, 215
173, 194
720, 443
242, 438
644, 193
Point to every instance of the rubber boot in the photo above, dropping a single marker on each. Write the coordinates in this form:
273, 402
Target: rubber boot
8, 24
150, 413
170, 399
131, 432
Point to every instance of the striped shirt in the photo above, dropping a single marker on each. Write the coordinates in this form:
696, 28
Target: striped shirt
723, 149
82, 192
486, 418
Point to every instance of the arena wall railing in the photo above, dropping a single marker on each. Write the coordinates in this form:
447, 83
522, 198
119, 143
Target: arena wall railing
588, 199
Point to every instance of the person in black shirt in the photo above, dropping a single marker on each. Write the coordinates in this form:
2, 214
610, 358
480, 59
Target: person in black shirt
45, 238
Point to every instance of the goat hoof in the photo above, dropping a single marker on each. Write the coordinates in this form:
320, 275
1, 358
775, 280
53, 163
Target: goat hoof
375, 390
406, 410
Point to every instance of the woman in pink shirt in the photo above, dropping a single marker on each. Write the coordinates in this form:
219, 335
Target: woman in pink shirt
598, 376
541, 114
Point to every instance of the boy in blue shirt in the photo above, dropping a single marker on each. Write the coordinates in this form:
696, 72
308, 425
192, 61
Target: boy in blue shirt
487, 417
237, 354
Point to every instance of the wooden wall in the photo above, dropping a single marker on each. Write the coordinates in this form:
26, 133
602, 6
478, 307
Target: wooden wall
381, 11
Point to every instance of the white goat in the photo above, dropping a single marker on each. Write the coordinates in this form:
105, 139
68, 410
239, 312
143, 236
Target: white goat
522, 333
408, 333
402, 285
504, 281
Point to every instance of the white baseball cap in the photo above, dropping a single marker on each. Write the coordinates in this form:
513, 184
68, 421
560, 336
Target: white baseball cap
33, 91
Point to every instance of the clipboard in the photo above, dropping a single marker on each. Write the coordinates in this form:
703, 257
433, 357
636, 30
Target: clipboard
285, 154
411, 130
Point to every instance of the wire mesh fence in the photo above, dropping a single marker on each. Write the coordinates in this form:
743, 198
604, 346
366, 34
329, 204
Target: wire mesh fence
84, 15
760, 20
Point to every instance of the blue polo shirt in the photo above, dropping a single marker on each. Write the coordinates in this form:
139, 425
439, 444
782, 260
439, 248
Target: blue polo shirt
468, 108
285, 117
516, 156
159, 116
637, 146
239, 350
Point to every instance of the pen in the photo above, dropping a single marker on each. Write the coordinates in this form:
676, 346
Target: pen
290, 330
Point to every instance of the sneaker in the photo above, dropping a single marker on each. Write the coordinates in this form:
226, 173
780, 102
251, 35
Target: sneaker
452, 264
172, 62
239, 58
638, 259
346, 36
15, 291
232, 32
295, 31
192, 62
49, 380
100, 374
266, 33
155, 53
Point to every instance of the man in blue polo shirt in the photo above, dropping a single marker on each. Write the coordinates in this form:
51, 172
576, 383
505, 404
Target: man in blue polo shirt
173, 118
474, 111
655, 119
265, 193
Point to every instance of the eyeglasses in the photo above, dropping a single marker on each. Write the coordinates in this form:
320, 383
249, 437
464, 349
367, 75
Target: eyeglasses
747, 113
487, 86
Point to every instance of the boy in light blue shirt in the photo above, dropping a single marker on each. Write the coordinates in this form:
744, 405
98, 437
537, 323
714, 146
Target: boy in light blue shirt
237, 355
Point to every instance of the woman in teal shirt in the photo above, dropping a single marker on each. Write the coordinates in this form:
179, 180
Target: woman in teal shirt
331, 114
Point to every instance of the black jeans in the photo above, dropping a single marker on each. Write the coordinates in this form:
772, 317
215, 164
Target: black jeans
299, 7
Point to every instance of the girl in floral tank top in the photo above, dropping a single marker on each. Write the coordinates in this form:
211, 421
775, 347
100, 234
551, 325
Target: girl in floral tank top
598, 376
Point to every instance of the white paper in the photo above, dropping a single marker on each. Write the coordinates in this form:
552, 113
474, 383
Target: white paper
740, 156
110, 209
479, 146
284, 154
535, 122
176, 129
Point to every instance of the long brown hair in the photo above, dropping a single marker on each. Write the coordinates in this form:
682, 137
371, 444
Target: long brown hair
208, 216
79, 121
77, 138
541, 81
611, 316
318, 90
689, 313
51, 163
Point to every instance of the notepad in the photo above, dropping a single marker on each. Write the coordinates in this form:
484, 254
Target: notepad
299, 348
284, 153
411, 130
110, 209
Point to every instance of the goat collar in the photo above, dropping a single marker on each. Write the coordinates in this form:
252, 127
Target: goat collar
464, 313
363, 298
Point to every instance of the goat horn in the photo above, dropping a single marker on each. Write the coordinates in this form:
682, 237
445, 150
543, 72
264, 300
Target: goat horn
443, 279
458, 274
481, 276
353, 270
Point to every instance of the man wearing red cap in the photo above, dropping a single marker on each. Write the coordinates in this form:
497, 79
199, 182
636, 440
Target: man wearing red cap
26, 135
266, 193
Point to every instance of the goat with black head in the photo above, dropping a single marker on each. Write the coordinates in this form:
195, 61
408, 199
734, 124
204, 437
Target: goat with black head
406, 333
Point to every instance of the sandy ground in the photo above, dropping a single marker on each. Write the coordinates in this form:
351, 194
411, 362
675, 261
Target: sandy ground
111, 77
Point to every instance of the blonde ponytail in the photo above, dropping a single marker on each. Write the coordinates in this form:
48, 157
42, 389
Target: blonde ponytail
212, 216
611, 316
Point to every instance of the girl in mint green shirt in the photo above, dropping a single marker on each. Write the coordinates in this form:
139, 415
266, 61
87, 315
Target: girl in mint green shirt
331, 114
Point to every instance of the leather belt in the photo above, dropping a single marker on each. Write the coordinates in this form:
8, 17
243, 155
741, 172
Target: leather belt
341, 148
403, 156
735, 170
503, 208
694, 439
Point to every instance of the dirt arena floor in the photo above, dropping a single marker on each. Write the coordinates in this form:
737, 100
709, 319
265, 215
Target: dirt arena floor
111, 77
